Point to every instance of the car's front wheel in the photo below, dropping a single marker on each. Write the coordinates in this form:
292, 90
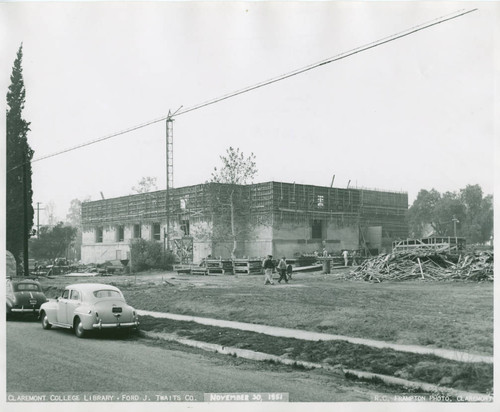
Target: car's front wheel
45, 321
78, 328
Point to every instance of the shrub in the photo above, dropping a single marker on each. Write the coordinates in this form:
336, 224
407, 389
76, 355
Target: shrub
148, 254
430, 372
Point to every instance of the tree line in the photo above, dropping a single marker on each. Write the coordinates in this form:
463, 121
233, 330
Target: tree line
465, 213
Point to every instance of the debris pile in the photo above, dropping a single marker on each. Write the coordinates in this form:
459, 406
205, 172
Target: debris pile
426, 264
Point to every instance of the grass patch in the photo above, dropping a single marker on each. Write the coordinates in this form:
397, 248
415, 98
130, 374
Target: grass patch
476, 377
452, 315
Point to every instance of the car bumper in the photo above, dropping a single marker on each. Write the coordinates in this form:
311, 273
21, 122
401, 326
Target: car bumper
117, 325
24, 310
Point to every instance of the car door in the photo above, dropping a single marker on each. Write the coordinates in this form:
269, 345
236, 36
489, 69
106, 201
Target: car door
62, 307
73, 302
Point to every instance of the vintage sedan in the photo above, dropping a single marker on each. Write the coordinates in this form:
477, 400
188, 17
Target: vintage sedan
23, 296
89, 306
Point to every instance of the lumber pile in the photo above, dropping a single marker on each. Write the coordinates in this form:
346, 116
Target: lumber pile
247, 266
223, 266
426, 264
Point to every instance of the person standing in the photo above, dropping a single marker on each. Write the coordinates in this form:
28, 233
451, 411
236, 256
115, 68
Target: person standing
289, 270
345, 253
268, 266
282, 270
354, 258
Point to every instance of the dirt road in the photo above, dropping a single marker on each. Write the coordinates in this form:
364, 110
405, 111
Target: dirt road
56, 361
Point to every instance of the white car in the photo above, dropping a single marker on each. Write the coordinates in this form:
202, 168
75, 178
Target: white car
89, 306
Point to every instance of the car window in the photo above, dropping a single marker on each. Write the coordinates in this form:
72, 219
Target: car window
106, 293
75, 295
65, 294
27, 286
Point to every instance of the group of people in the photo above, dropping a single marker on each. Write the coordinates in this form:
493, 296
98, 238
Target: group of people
345, 254
284, 270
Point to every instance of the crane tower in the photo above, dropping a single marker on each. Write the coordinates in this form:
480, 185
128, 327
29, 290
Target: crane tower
170, 174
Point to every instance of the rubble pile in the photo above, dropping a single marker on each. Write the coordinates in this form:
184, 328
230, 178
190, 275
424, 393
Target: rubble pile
426, 264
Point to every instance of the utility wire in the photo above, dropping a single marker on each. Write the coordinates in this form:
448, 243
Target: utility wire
341, 56
331, 59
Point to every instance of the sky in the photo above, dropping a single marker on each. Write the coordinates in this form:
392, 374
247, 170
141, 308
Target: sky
417, 113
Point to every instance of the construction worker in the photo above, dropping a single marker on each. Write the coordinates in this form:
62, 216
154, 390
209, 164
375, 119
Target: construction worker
268, 266
282, 270
345, 253
354, 258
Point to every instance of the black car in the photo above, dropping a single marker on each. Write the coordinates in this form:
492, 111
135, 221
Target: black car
24, 296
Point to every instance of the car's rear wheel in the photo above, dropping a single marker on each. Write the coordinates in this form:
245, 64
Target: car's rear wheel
45, 321
78, 328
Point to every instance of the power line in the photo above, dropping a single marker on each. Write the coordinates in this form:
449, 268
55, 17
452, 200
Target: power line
341, 56
332, 59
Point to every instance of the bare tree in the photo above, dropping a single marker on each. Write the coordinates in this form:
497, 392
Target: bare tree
50, 213
236, 170
145, 185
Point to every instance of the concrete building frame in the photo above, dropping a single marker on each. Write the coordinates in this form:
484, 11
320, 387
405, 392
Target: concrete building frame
282, 219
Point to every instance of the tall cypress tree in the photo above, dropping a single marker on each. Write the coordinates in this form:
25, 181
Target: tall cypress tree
19, 154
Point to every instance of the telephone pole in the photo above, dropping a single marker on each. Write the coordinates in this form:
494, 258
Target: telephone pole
38, 208
170, 174
455, 221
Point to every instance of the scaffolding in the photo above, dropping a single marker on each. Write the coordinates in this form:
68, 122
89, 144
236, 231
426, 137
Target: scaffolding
273, 202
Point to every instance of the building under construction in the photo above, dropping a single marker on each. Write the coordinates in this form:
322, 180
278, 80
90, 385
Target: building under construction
282, 219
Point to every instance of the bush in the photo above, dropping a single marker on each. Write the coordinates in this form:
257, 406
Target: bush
430, 372
148, 254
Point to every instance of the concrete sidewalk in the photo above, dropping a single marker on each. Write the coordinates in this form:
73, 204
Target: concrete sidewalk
315, 336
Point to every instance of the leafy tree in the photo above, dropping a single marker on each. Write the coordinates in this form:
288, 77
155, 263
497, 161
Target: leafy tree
472, 197
477, 213
421, 213
52, 242
448, 208
485, 218
145, 185
19, 156
236, 170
